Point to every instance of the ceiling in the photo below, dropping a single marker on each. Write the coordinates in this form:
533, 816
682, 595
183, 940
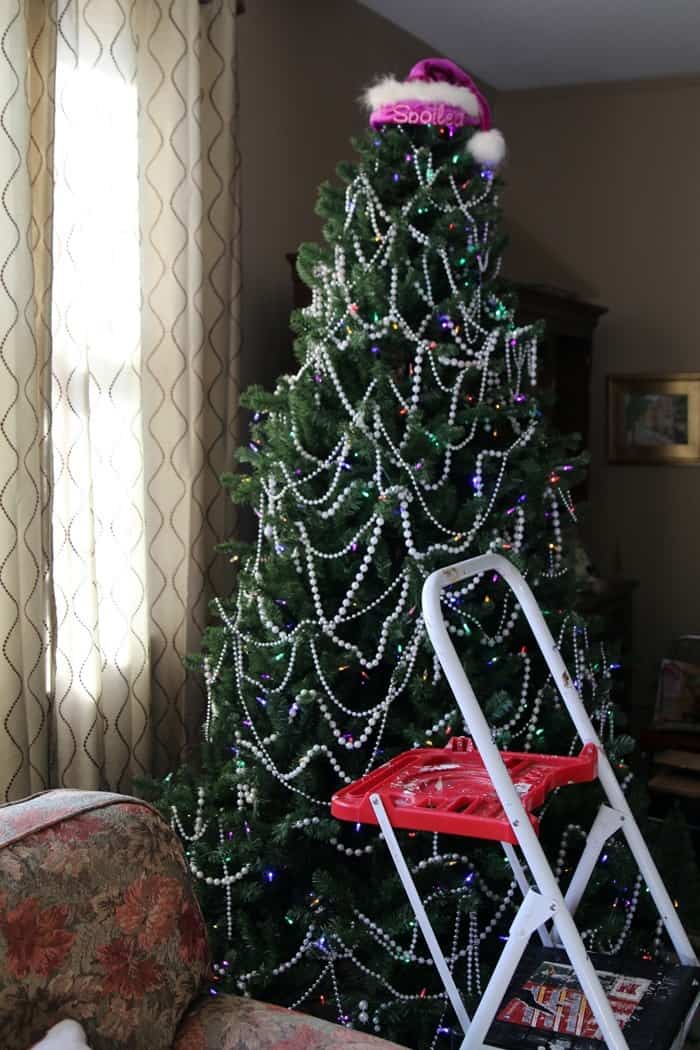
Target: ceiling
513, 44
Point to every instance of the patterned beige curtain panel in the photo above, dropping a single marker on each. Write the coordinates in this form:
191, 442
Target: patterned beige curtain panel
119, 296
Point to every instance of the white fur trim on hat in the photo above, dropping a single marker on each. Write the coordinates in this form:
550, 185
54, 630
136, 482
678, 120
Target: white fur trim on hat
487, 147
388, 90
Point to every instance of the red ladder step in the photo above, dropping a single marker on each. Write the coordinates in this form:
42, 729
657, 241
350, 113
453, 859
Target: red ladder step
448, 789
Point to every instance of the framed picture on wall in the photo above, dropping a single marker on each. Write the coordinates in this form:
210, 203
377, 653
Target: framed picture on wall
654, 419
678, 695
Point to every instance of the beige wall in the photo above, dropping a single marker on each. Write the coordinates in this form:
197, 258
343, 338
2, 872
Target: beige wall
603, 197
303, 64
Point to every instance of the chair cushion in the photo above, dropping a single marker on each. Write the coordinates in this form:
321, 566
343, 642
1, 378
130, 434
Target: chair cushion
98, 922
231, 1022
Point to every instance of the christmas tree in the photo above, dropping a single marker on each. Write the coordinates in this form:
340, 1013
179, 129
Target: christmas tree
413, 435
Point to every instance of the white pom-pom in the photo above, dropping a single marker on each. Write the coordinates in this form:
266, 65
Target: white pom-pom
267, 532
487, 147
66, 1035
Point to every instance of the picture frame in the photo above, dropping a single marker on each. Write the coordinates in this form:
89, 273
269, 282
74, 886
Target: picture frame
654, 419
678, 695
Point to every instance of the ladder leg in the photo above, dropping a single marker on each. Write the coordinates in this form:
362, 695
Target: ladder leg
606, 823
589, 980
645, 863
565, 928
567, 932
532, 913
524, 886
420, 912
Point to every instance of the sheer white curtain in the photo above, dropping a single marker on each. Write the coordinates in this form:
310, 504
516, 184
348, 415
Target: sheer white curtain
142, 366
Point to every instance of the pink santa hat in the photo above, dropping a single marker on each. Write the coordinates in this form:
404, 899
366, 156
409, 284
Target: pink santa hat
436, 91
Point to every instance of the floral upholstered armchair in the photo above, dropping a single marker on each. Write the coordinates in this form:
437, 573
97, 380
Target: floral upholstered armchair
99, 924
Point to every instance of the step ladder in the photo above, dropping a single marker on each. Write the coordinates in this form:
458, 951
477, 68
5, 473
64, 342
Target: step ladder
471, 788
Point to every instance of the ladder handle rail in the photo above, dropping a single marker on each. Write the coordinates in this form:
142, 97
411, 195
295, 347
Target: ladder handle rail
442, 578
509, 798
481, 733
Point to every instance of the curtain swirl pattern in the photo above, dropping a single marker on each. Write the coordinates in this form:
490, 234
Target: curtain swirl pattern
119, 296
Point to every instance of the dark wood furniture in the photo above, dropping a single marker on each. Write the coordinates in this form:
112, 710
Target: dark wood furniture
673, 770
673, 747
566, 352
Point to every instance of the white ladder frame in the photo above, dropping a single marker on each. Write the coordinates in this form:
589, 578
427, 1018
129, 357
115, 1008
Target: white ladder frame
542, 901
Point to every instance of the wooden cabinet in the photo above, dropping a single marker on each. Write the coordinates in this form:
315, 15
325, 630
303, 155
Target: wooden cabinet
566, 352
